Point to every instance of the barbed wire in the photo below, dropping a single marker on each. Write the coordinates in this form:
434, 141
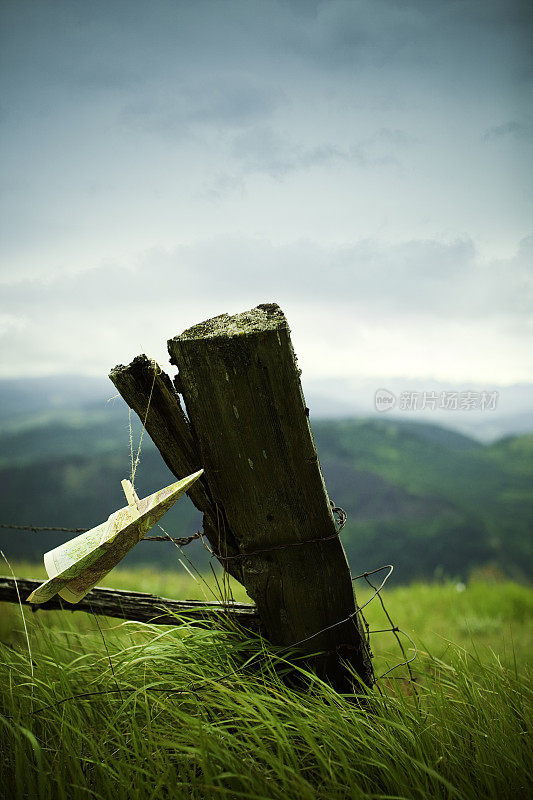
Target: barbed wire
395, 630
340, 517
180, 540
38, 528
194, 689
339, 513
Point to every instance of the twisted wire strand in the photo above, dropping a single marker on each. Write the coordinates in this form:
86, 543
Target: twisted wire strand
340, 519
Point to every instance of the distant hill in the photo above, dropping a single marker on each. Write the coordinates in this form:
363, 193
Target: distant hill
428, 499
512, 414
22, 398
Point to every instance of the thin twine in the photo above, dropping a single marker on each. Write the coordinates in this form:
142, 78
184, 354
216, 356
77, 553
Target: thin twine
135, 464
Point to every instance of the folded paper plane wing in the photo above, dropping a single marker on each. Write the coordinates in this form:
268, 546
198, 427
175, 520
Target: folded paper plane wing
76, 566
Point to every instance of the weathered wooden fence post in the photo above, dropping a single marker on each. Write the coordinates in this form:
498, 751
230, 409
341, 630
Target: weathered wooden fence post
266, 509
146, 388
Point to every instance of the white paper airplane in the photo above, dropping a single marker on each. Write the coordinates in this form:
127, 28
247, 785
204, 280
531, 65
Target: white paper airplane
75, 567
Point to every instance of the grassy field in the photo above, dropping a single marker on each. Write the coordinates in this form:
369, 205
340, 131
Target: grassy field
104, 709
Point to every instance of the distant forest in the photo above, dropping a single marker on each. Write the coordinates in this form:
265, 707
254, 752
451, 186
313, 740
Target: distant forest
427, 499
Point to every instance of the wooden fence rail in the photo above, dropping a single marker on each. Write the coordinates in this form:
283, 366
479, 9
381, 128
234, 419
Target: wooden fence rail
136, 606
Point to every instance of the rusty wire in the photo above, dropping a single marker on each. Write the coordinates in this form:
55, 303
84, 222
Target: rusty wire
340, 517
181, 540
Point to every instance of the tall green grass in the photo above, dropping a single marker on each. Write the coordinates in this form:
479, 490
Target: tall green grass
125, 710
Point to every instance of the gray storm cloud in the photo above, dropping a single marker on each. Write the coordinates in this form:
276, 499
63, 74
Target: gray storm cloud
172, 160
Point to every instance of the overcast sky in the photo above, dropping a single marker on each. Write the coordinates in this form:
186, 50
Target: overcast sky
367, 165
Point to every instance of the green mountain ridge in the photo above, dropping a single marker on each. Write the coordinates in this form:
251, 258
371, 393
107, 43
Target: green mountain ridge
463, 505
425, 498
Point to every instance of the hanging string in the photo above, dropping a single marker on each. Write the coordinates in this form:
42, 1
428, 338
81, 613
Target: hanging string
134, 465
